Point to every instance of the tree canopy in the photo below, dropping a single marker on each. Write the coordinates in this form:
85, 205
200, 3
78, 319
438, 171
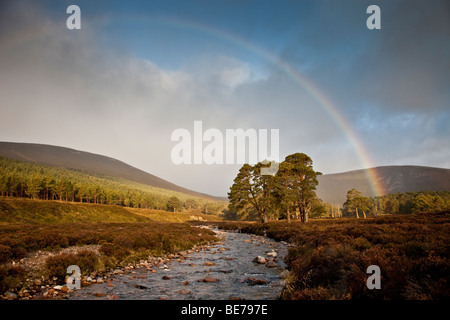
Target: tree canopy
292, 188
29, 180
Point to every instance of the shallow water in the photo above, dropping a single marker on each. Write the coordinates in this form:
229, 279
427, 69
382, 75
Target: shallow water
233, 258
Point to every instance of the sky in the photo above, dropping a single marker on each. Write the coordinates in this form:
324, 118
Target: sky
347, 96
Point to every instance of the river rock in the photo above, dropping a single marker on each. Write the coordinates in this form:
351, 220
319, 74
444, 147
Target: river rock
272, 254
210, 264
184, 291
253, 281
271, 264
284, 274
99, 294
208, 279
65, 289
166, 278
260, 260
10, 295
140, 286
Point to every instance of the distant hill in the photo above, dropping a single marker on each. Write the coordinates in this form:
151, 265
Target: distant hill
333, 188
92, 163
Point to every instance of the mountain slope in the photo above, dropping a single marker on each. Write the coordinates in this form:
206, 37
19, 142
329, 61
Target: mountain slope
89, 162
333, 187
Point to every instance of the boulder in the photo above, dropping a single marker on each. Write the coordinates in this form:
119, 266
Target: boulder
65, 289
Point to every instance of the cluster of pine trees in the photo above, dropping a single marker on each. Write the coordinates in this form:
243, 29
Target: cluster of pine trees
29, 180
290, 193
396, 203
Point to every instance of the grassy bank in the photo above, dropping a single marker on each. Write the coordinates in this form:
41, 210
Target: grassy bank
17, 210
330, 257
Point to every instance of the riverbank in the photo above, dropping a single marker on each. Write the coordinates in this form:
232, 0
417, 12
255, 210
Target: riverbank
34, 257
41, 288
330, 257
237, 267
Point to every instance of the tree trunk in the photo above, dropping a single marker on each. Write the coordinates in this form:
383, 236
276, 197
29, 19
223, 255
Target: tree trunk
288, 216
264, 218
357, 215
305, 216
364, 214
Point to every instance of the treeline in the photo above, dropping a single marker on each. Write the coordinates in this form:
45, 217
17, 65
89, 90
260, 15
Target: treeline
289, 193
396, 203
29, 180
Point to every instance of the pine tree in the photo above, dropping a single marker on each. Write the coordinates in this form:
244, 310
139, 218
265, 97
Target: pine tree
302, 180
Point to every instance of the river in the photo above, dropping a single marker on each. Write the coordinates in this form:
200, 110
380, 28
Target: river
224, 270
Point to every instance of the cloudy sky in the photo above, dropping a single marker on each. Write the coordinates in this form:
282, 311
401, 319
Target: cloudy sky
347, 96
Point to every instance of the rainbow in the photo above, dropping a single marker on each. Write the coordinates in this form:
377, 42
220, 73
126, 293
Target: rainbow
332, 110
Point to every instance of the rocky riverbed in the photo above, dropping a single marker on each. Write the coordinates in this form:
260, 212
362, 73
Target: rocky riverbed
239, 266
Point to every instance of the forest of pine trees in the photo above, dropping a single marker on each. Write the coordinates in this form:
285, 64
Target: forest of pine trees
290, 194
396, 203
29, 180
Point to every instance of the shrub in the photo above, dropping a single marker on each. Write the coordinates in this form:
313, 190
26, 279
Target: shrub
330, 258
87, 261
57, 265
112, 250
11, 277
5, 253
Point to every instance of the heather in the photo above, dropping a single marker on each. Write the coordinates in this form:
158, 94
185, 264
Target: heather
329, 257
